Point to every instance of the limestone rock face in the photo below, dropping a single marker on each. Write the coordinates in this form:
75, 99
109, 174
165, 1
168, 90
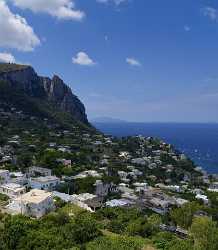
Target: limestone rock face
25, 79
53, 90
60, 94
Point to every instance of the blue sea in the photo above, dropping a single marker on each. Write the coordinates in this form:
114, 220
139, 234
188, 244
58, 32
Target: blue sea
198, 141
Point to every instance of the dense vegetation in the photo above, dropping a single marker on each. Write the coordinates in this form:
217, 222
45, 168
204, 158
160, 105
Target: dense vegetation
108, 229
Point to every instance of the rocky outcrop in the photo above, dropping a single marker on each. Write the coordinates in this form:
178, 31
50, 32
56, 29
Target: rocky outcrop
60, 94
25, 79
53, 90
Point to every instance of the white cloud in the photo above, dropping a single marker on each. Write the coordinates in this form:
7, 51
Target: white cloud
6, 58
187, 28
210, 12
15, 31
133, 62
61, 9
117, 2
83, 59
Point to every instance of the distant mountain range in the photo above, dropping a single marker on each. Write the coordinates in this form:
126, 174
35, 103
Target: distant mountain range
21, 87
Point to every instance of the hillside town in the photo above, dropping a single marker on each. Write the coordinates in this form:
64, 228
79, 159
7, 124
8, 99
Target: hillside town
66, 185
44, 162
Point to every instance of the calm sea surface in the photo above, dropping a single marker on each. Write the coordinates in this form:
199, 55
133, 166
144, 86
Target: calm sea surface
198, 141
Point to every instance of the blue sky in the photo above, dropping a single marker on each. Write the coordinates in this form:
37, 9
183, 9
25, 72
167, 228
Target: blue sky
137, 60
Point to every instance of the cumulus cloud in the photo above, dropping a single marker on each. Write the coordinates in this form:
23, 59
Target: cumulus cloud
61, 9
6, 58
210, 12
15, 31
83, 59
133, 62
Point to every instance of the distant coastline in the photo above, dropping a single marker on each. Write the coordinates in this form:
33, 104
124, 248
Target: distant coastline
199, 141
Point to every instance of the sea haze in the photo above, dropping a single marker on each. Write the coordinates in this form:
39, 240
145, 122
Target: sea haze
198, 141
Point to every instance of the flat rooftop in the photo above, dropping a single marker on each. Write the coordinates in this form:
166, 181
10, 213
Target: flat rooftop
13, 187
34, 196
2, 171
39, 169
44, 179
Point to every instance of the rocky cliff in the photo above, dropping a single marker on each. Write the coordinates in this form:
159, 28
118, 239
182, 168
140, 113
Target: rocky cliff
54, 90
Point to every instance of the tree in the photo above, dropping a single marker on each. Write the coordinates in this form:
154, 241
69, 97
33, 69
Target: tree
205, 234
85, 185
85, 228
178, 244
136, 227
43, 240
112, 242
2, 241
154, 221
163, 239
15, 227
183, 216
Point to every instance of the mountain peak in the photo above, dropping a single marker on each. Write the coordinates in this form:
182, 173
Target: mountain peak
53, 91
56, 78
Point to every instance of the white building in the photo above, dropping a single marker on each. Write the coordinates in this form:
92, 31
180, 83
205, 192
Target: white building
19, 178
12, 190
139, 161
103, 189
72, 199
38, 171
203, 198
93, 201
213, 187
35, 203
180, 202
119, 203
140, 187
122, 174
4, 176
45, 182
125, 155
88, 173
62, 196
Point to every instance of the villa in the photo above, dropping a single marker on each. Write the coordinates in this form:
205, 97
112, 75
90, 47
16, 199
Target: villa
12, 190
38, 171
35, 203
213, 187
140, 187
44, 182
119, 203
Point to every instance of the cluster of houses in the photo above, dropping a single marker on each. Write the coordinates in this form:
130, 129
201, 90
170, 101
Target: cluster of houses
15, 184
42, 185
33, 193
35, 203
